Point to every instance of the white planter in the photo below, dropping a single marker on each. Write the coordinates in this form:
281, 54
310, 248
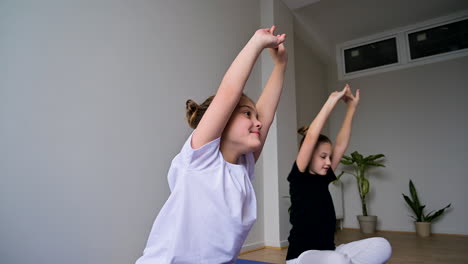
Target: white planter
423, 229
367, 223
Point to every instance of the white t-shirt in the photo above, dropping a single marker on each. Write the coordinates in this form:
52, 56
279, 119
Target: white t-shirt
210, 211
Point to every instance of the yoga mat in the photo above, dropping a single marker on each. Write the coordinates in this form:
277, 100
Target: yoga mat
244, 261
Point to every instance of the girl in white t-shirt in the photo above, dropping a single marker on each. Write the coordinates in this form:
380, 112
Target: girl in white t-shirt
212, 204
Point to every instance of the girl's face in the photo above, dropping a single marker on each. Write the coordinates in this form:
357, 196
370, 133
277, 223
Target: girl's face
321, 159
243, 129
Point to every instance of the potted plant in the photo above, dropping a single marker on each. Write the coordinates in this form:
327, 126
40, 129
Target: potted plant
360, 164
422, 221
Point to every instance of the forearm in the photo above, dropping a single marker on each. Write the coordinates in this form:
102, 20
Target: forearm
237, 74
268, 102
342, 140
319, 122
269, 99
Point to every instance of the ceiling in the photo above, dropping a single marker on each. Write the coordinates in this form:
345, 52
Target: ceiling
295, 4
323, 24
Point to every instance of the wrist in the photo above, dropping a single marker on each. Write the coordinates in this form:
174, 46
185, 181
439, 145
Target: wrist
257, 41
333, 100
351, 107
331, 103
281, 65
252, 47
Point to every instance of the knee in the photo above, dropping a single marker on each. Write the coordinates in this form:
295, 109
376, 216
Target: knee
383, 246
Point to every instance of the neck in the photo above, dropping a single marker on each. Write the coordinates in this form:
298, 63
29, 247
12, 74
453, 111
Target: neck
230, 153
314, 173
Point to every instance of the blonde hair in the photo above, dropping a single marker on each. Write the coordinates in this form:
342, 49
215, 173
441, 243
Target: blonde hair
194, 112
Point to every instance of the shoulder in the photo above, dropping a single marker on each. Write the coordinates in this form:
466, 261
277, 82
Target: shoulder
205, 156
295, 173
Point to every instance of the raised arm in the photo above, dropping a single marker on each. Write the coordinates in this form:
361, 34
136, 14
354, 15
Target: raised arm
230, 90
269, 99
310, 139
342, 140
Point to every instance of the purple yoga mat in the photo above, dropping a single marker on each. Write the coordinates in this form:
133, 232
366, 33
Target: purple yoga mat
244, 261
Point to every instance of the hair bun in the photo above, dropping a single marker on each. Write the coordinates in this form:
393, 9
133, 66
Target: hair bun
303, 130
191, 106
191, 110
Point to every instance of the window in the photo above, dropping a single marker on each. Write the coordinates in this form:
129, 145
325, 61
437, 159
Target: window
371, 55
437, 40
431, 41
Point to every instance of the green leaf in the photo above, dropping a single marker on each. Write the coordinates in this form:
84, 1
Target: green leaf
374, 157
414, 193
359, 157
356, 157
428, 215
347, 158
420, 214
430, 218
411, 204
346, 162
414, 204
373, 163
365, 187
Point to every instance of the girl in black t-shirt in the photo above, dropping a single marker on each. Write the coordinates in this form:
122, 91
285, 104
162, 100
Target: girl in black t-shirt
312, 215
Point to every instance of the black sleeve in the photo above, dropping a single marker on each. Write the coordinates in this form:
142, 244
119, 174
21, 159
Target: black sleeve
295, 172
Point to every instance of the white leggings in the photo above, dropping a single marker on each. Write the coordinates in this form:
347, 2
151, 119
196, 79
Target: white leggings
374, 250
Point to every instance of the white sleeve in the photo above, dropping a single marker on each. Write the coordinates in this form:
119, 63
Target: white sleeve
203, 157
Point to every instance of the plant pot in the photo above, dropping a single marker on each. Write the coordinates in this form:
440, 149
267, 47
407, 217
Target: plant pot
367, 223
423, 229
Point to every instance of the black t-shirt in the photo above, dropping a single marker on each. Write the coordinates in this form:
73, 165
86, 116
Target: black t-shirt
312, 213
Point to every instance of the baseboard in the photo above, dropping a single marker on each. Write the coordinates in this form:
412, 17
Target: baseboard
409, 232
272, 244
252, 247
284, 244
262, 245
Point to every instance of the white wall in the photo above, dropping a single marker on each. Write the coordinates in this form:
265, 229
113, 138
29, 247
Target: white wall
92, 105
417, 118
280, 145
286, 120
311, 84
269, 155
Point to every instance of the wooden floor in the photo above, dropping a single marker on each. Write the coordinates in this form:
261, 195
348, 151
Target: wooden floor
407, 248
